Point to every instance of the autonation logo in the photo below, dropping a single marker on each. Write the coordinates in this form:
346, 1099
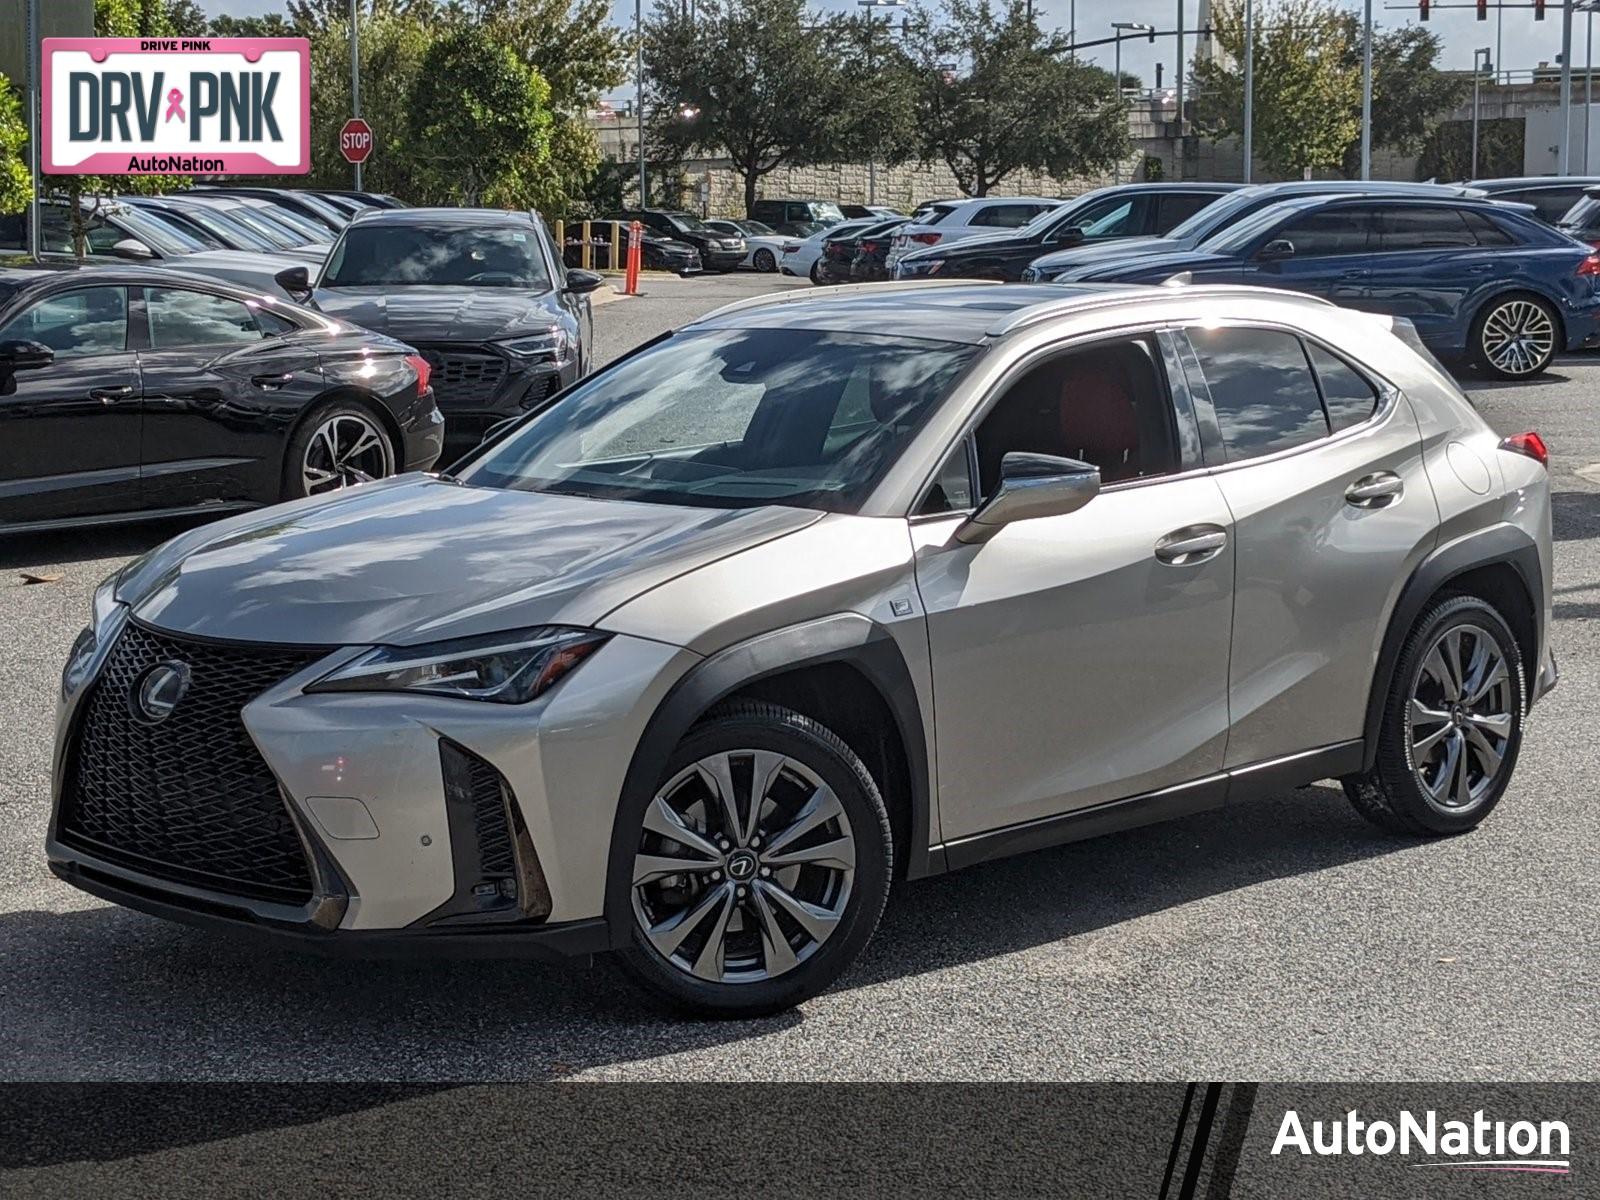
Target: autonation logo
1476, 1145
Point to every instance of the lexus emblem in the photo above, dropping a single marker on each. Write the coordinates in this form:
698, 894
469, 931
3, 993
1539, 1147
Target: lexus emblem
157, 692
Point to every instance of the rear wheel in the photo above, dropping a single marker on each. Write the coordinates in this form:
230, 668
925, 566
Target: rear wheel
763, 260
816, 272
1515, 336
761, 868
338, 445
1452, 724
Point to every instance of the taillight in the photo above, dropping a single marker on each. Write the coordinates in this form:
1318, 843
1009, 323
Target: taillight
424, 372
869, 247
927, 239
1590, 265
1530, 444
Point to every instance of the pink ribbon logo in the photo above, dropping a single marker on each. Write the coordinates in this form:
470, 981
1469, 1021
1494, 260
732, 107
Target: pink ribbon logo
175, 105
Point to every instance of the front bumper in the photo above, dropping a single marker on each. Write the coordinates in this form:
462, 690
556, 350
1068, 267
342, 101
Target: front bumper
478, 385
407, 877
722, 260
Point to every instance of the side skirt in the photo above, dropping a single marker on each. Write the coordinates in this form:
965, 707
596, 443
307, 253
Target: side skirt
1149, 808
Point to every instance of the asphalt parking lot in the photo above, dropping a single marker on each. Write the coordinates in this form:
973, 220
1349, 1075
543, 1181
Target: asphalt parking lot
1281, 940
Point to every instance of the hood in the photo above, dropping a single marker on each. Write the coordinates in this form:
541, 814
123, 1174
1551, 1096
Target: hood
977, 244
439, 314
1142, 268
245, 267
1103, 254
418, 559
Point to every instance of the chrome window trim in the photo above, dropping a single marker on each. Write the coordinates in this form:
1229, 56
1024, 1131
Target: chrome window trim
85, 286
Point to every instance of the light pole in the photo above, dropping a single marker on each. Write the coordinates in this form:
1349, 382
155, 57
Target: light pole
1249, 87
869, 5
1564, 151
1178, 73
1366, 92
1122, 29
1479, 55
1588, 7
355, 76
638, 92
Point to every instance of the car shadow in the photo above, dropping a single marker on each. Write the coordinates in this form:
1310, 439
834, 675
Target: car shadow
59, 547
113, 994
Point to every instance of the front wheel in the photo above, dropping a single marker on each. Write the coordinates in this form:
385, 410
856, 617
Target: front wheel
761, 868
338, 445
1515, 337
1452, 724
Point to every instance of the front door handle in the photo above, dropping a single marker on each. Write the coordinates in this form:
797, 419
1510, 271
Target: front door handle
271, 383
1191, 544
1375, 491
110, 395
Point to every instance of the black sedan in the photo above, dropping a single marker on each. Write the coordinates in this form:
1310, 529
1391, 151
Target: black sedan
130, 392
482, 293
1106, 214
718, 251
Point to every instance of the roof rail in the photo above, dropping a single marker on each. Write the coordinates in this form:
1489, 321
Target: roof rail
1136, 294
841, 289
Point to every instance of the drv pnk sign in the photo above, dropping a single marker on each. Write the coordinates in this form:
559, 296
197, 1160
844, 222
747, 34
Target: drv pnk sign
176, 106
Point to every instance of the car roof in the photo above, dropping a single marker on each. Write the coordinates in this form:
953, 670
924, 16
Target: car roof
1323, 187
1530, 181
442, 216
94, 273
955, 310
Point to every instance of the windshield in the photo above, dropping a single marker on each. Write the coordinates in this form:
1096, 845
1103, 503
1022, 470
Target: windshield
753, 228
1049, 217
222, 225
1585, 214
734, 418
1214, 216
381, 254
685, 221
161, 236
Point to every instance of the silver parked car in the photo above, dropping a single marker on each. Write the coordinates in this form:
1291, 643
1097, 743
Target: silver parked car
690, 664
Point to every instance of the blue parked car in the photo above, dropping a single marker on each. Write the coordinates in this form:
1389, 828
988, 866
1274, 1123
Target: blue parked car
1221, 214
1473, 276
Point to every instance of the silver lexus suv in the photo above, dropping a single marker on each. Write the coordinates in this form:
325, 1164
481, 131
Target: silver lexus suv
771, 611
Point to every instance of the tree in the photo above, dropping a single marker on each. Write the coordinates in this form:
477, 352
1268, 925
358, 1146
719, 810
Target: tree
1307, 100
876, 116
747, 78
16, 183
480, 122
271, 25
994, 98
1408, 89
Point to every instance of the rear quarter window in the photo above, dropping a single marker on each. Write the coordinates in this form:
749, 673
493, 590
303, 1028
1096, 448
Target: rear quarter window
1262, 389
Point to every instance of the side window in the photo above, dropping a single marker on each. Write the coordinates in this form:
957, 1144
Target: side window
1551, 204
1174, 208
179, 317
1347, 396
75, 324
1425, 229
1486, 231
1113, 217
1106, 404
1330, 231
1004, 216
1262, 389
952, 486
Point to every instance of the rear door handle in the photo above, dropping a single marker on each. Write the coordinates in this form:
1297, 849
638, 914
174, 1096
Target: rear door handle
1375, 491
271, 383
110, 395
1192, 544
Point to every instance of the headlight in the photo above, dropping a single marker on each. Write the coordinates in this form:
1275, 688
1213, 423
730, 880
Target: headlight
555, 343
507, 668
87, 643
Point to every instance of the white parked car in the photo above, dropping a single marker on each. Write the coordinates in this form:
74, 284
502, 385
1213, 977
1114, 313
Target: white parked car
765, 243
952, 220
801, 256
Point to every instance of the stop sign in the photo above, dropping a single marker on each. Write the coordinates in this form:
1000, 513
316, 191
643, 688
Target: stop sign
355, 140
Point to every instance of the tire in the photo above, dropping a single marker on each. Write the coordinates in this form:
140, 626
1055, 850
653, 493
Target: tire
816, 272
705, 942
1516, 336
764, 261
1411, 788
351, 424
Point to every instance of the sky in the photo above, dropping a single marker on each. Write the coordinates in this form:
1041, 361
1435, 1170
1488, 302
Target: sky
1526, 42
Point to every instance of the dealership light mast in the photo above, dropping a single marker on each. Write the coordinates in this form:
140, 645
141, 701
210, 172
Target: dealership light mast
355, 77
1366, 92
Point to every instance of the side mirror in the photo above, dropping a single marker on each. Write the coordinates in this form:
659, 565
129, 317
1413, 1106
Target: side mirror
1070, 236
581, 283
133, 248
25, 356
295, 282
1032, 485
1276, 250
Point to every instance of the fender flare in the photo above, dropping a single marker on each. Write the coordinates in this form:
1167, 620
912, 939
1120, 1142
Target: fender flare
1486, 547
848, 638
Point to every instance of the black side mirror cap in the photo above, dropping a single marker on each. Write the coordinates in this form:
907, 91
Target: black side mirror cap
295, 281
1276, 250
25, 356
581, 282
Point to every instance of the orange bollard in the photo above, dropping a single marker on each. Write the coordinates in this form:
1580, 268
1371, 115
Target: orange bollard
631, 284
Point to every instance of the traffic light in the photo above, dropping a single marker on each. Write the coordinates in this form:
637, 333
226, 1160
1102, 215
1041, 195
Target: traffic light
1538, 10
1422, 10
1483, 10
